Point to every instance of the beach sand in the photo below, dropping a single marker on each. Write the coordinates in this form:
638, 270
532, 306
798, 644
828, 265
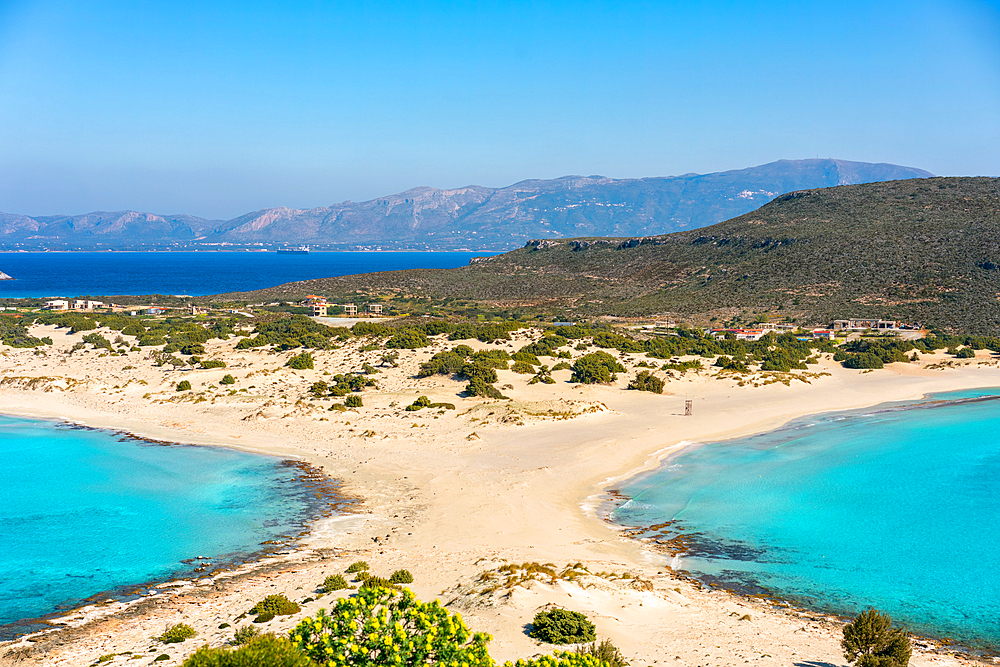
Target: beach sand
451, 494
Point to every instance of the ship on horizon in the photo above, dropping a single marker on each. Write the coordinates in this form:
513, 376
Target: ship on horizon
295, 250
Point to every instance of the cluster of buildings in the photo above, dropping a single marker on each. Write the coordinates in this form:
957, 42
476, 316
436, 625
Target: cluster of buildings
840, 327
75, 304
319, 307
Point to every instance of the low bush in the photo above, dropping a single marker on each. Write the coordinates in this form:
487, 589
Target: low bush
371, 581
338, 407
526, 357
596, 368
562, 626
183, 385
335, 582
388, 626
213, 363
245, 635
522, 367
356, 566
419, 404
478, 387
401, 577
965, 353
646, 381
265, 650
301, 362
227, 379
408, 339
606, 653
862, 360
274, 605
175, 634
354, 401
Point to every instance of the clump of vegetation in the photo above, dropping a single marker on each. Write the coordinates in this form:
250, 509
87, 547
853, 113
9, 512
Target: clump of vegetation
522, 367
606, 653
266, 649
682, 366
730, 364
596, 368
401, 577
335, 582
870, 641
562, 626
424, 402
561, 366
175, 634
300, 362
409, 339
383, 626
353, 401
481, 388
646, 381
213, 363
273, 605
183, 385
543, 375
227, 379
356, 566
245, 635
341, 385
371, 581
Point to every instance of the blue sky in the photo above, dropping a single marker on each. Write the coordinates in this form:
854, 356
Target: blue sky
172, 107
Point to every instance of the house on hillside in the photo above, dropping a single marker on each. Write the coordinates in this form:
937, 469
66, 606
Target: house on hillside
350, 310
318, 309
374, 309
85, 304
56, 304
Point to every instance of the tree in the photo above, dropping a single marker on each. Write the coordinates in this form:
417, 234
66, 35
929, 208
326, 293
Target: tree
646, 381
870, 641
562, 626
301, 361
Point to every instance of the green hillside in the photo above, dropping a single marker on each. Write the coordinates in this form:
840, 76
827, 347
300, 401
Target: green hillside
921, 250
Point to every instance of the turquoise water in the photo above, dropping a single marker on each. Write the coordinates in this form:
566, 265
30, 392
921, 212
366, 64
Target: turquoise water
88, 511
897, 508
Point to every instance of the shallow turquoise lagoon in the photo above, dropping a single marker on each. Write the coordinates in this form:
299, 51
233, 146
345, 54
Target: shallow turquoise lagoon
897, 507
86, 511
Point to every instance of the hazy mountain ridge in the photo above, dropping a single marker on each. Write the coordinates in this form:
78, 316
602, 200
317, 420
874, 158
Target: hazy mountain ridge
921, 250
475, 216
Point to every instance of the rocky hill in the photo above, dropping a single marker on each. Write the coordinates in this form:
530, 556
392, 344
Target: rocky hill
472, 217
922, 250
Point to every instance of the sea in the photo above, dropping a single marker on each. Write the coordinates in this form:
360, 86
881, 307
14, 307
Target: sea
91, 514
895, 507
71, 274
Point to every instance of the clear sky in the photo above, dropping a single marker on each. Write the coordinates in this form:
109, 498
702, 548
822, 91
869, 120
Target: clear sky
220, 108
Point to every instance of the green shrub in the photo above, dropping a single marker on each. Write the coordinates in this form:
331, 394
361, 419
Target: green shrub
478, 387
382, 626
419, 404
559, 659
301, 362
442, 363
728, 364
245, 635
596, 368
338, 407
522, 367
335, 582
213, 363
175, 634
862, 360
526, 357
401, 577
605, 652
183, 385
356, 566
409, 339
354, 401
646, 381
476, 371
266, 650
965, 353
561, 366
561, 626
870, 641
227, 379
371, 581
274, 605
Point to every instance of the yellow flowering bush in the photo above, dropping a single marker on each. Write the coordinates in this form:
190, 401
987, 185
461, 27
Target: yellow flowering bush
560, 659
387, 626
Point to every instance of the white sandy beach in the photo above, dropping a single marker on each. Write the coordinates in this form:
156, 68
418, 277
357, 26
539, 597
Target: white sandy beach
451, 494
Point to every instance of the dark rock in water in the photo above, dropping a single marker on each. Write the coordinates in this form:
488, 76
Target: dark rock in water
4, 276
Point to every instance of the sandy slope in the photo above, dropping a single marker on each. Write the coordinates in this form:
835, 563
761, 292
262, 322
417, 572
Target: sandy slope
452, 494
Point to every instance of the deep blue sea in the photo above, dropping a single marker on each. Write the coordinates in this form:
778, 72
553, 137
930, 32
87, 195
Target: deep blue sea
70, 274
87, 511
896, 507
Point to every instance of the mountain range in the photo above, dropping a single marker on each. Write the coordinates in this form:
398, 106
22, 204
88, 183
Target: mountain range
926, 251
471, 217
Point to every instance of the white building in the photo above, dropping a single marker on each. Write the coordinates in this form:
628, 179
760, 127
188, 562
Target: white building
56, 304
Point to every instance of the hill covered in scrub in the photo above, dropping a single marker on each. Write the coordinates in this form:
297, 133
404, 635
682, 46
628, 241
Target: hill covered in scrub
920, 250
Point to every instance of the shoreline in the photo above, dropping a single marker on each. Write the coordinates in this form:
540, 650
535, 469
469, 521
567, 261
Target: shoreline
448, 495
615, 498
325, 501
